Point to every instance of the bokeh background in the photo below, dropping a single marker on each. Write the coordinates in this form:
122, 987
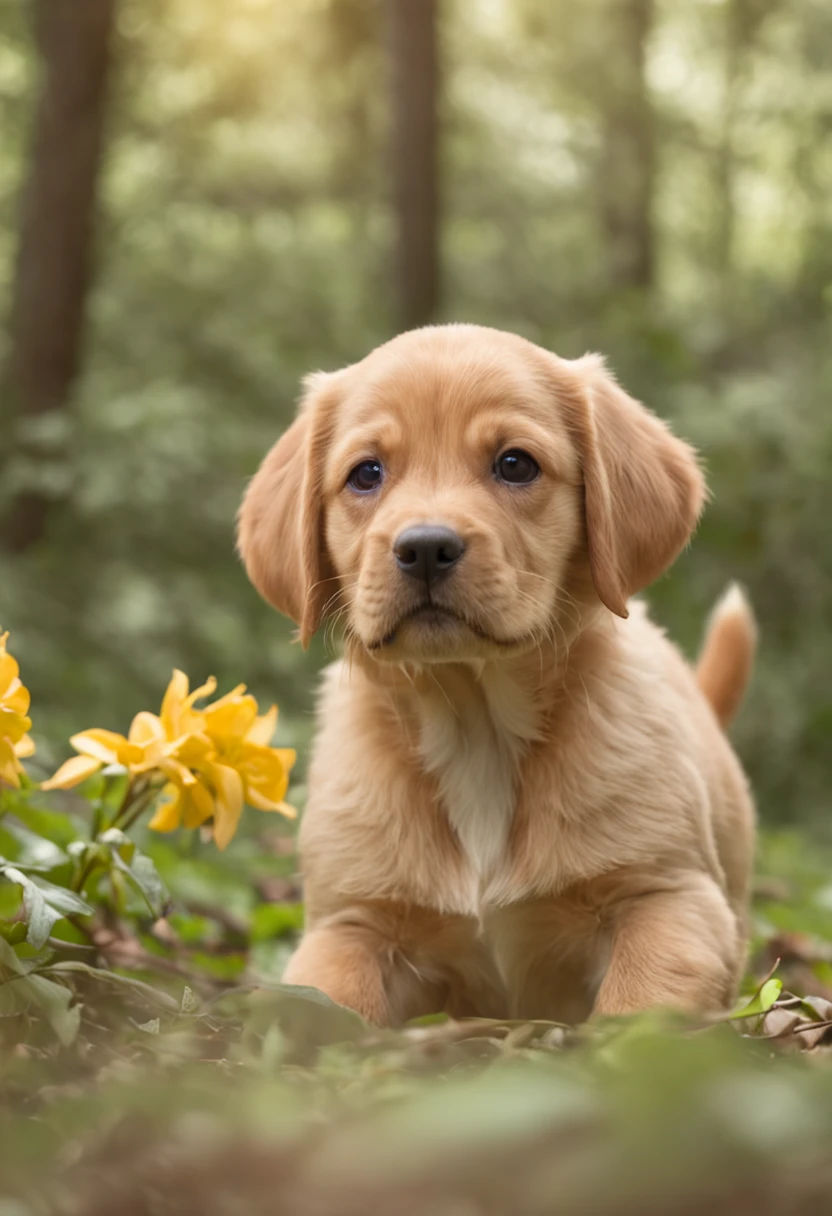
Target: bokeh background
200, 202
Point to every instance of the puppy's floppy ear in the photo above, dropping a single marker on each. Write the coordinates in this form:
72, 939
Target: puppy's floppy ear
280, 524
643, 487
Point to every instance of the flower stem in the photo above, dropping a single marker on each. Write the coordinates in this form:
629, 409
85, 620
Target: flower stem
144, 796
136, 811
84, 874
135, 789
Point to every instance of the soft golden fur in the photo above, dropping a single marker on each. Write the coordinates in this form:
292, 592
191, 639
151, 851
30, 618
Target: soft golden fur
521, 803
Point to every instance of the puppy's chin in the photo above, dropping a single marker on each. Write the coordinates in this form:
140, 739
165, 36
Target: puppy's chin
435, 635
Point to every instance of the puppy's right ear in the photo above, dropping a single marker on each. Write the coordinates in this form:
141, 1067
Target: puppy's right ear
280, 524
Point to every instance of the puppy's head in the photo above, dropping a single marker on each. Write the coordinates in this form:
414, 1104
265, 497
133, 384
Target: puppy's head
442, 496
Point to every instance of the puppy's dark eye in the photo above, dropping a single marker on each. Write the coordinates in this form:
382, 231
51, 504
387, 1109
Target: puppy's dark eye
366, 476
516, 467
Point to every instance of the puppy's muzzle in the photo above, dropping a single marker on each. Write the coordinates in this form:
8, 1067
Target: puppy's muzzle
427, 552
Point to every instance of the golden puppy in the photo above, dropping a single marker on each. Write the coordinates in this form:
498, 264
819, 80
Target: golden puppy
521, 802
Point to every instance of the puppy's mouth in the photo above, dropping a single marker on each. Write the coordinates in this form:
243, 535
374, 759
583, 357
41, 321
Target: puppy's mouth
436, 619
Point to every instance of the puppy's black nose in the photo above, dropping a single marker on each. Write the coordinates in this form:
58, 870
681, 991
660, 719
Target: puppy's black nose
428, 551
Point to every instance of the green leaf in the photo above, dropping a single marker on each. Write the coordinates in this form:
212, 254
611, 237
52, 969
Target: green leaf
269, 921
120, 841
762, 1001
10, 901
20, 992
114, 978
308, 1019
34, 852
143, 875
12, 964
63, 899
54, 1001
14, 931
39, 916
191, 929
44, 904
429, 1019
189, 1003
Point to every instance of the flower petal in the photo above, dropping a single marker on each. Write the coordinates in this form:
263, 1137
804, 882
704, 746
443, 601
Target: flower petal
16, 698
146, 728
104, 745
9, 670
262, 731
266, 770
261, 803
288, 756
169, 813
234, 695
205, 690
75, 770
173, 702
9, 766
177, 715
190, 749
230, 718
12, 724
24, 747
175, 771
229, 802
199, 805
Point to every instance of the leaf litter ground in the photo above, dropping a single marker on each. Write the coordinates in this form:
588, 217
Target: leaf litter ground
154, 1084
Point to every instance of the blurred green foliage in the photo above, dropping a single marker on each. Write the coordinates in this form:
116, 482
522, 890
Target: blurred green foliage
245, 239
644, 1123
275, 1099
152, 1065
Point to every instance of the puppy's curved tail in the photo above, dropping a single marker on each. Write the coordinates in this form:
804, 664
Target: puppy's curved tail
727, 656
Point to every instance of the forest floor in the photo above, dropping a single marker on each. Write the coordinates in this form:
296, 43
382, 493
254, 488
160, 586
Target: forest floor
188, 1087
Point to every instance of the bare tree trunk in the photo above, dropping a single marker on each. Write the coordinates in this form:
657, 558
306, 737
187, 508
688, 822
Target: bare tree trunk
743, 21
53, 262
627, 169
415, 67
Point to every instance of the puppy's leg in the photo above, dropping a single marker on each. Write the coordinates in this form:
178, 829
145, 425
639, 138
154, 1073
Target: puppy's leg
344, 962
679, 946
355, 959
548, 952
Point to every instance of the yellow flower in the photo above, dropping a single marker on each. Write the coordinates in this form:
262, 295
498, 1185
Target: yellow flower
177, 715
96, 748
215, 759
186, 797
152, 743
244, 769
15, 743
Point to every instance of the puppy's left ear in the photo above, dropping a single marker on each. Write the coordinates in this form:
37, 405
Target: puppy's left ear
643, 488
280, 525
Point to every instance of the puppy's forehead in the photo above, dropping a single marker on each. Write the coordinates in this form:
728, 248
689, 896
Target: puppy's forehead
448, 379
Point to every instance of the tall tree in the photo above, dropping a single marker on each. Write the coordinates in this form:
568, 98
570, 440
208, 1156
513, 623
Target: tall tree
415, 87
53, 264
627, 159
742, 23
